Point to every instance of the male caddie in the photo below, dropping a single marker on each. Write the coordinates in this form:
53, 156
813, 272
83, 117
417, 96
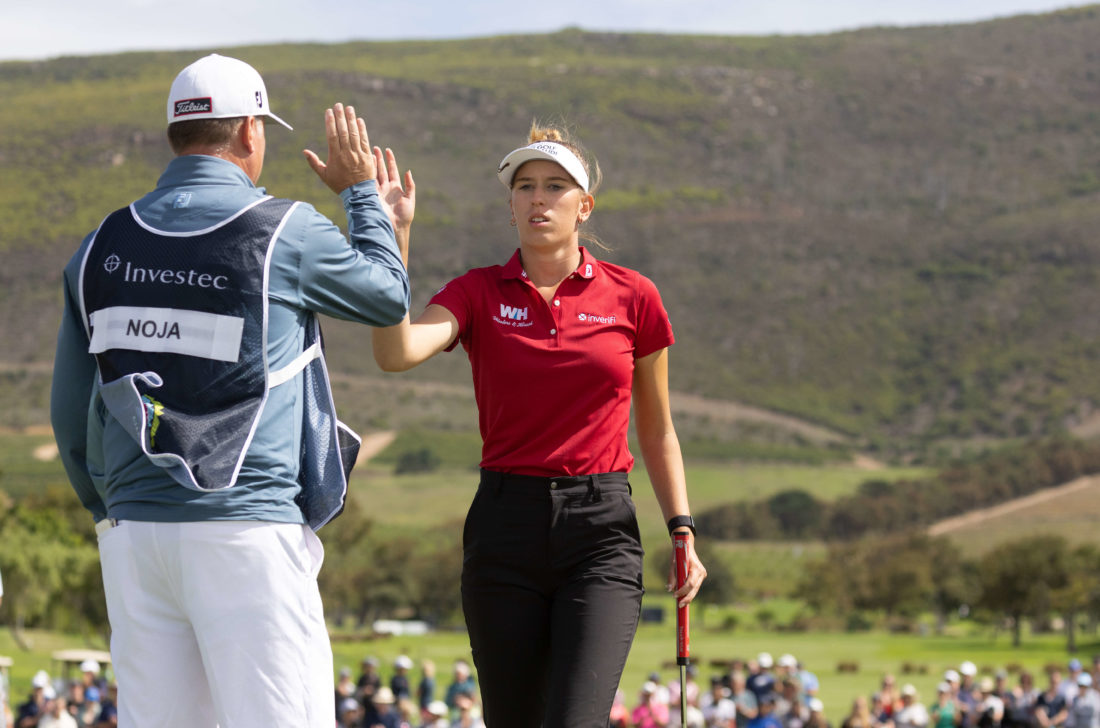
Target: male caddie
192, 409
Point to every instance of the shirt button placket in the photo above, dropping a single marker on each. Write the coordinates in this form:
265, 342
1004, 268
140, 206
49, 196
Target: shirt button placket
555, 312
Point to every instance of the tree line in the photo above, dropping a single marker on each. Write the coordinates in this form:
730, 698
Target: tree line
907, 575
879, 560
880, 506
52, 580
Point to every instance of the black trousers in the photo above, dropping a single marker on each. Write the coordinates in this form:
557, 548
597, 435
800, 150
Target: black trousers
551, 590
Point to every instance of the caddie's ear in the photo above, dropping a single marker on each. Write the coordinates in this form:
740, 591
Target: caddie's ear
248, 133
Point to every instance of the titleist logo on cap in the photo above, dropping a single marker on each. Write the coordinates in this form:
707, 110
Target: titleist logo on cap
194, 106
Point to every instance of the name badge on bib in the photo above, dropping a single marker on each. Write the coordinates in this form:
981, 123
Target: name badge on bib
167, 330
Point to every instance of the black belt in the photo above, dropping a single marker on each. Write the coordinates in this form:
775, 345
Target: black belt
595, 483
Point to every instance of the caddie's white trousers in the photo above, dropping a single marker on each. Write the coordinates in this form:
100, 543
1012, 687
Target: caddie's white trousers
217, 624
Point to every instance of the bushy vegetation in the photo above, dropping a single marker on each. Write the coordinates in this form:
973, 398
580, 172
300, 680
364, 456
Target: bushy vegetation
891, 506
50, 566
52, 577
904, 576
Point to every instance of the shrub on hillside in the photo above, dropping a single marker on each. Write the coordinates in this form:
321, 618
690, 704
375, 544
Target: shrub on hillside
423, 460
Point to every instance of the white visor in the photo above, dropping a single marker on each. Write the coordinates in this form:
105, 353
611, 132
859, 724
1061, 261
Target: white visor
550, 151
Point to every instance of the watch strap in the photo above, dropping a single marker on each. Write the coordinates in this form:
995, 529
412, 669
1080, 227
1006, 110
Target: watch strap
681, 522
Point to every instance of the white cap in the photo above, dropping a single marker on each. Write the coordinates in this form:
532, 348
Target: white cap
788, 661
41, 679
1084, 679
218, 87
968, 668
89, 666
649, 687
816, 706
403, 661
908, 690
550, 151
383, 695
943, 687
764, 659
951, 676
437, 708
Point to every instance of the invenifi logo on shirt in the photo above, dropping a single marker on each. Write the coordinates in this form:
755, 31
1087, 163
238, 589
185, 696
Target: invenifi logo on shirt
595, 318
513, 316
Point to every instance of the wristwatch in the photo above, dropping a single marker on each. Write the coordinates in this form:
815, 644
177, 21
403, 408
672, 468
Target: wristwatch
681, 522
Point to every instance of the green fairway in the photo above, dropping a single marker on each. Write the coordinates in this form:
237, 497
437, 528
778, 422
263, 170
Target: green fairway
426, 499
28, 462
423, 501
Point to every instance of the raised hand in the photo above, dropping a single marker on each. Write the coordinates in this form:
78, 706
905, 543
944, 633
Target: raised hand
399, 202
350, 159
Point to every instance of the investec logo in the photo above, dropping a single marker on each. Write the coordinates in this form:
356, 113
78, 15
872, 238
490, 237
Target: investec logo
167, 276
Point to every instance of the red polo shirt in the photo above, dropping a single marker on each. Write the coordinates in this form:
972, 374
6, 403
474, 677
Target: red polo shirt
553, 380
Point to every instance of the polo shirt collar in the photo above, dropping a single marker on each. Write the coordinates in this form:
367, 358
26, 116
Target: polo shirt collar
589, 265
587, 268
202, 169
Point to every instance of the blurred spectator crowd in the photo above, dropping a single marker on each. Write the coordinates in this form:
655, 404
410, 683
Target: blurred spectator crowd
368, 702
758, 693
87, 702
1065, 699
767, 693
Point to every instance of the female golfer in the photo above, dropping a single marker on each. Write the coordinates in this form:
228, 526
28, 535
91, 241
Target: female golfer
560, 345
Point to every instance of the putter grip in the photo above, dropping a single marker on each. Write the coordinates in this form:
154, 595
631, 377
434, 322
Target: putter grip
683, 646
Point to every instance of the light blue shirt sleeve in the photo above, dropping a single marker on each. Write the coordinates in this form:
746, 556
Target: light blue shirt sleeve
74, 377
315, 268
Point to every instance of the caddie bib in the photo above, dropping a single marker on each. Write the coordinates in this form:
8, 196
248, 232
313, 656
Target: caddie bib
178, 326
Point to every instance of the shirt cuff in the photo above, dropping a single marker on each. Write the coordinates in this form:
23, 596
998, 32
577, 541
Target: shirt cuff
359, 190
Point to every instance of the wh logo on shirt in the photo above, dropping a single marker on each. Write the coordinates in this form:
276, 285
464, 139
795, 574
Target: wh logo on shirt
513, 313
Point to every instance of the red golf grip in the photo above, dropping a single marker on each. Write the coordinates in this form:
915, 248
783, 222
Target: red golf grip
683, 646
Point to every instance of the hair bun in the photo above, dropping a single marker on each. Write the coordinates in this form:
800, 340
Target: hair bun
544, 134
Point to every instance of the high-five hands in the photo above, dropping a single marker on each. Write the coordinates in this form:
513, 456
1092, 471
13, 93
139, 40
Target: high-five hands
399, 202
350, 158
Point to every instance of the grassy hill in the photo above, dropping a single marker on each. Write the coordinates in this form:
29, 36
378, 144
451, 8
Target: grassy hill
890, 232
1069, 511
